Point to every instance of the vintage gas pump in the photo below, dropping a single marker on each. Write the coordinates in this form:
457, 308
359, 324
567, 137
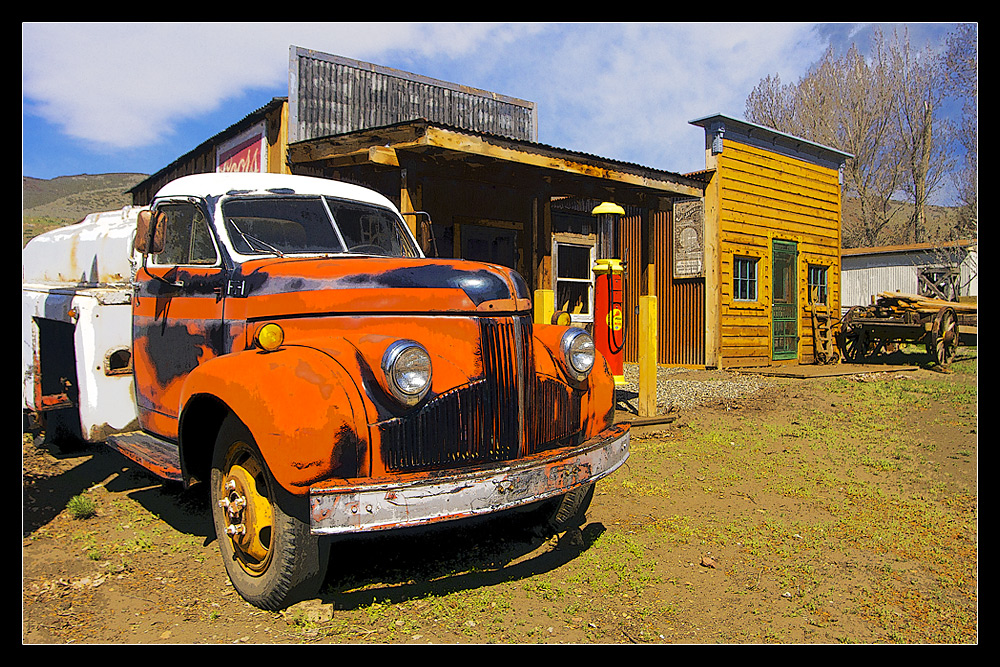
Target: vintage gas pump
610, 314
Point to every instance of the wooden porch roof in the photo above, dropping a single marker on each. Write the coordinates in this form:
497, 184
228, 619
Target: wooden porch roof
566, 172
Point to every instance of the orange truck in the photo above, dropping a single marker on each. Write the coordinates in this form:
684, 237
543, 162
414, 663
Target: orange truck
284, 340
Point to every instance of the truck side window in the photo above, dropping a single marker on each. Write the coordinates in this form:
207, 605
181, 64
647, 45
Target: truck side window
187, 238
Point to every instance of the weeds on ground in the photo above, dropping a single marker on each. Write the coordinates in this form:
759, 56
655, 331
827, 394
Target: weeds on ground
82, 507
855, 470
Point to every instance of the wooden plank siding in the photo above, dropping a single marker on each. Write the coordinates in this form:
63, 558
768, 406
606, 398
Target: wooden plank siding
767, 196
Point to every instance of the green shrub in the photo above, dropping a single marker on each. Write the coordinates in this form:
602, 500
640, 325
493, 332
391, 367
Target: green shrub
82, 507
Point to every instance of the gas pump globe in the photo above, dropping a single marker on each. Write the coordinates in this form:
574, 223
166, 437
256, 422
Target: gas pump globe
610, 320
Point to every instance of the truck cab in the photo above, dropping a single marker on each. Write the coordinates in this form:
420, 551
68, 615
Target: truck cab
289, 344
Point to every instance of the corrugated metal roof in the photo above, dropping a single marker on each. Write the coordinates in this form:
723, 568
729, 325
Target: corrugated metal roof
913, 247
773, 139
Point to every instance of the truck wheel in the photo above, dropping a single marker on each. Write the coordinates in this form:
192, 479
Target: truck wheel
569, 510
263, 531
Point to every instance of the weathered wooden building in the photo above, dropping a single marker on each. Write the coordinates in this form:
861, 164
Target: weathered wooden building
772, 243
465, 168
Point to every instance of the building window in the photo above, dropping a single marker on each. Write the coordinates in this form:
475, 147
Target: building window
573, 267
817, 284
744, 278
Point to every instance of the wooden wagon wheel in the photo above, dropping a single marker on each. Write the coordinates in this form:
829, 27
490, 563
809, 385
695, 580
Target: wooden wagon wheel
853, 339
943, 340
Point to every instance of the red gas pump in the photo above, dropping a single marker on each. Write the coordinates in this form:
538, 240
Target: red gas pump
610, 318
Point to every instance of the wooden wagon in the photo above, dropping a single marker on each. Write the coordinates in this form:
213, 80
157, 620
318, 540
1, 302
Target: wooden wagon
895, 317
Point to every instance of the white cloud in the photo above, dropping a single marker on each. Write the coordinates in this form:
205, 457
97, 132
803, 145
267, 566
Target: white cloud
126, 85
624, 91
633, 88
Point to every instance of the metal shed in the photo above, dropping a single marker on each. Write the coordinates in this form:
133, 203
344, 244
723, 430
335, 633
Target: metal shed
948, 271
465, 168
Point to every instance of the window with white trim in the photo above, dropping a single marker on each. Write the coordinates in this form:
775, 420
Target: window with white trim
573, 264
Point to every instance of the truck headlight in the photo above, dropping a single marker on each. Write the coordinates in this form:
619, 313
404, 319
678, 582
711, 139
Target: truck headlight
578, 353
407, 368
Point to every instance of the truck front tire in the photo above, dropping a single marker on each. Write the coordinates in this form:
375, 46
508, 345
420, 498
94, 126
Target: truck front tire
570, 509
263, 531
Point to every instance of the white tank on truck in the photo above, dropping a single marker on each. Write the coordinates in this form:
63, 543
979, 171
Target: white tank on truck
76, 326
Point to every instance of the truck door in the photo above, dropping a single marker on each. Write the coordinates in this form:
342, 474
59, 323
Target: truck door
177, 310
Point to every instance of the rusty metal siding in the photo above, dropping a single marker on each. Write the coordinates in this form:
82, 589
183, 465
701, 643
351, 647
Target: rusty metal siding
630, 248
331, 95
680, 303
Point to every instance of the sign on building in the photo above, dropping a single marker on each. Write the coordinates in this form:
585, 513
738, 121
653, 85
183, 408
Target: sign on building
689, 239
243, 153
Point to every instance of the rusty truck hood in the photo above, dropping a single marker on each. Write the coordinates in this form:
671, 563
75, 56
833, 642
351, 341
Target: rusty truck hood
353, 285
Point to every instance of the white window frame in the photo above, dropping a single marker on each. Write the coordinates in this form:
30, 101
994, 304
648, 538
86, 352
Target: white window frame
589, 241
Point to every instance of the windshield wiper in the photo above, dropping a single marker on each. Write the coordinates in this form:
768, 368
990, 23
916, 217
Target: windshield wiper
248, 238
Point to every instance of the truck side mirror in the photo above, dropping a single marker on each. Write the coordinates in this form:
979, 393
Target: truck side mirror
149, 232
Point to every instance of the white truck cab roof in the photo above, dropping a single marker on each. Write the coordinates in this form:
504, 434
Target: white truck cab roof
215, 185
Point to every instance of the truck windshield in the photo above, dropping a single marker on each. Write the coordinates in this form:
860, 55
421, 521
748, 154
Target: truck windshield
314, 225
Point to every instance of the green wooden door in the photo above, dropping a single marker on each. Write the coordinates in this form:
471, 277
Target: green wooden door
784, 307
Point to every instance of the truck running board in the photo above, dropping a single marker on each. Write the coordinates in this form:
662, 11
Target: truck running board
161, 457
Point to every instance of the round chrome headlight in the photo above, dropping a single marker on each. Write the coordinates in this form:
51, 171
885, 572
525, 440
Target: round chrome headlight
407, 368
578, 353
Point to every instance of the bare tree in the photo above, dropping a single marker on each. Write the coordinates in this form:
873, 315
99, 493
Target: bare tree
771, 104
960, 73
923, 144
846, 102
880, 108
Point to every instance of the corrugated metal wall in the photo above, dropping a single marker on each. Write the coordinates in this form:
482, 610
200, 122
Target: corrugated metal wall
680, 303
864, 275
331, 95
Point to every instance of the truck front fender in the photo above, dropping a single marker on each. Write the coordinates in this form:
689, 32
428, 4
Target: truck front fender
301, 406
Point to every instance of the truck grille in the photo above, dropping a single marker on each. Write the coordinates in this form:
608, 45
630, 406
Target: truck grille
506, 414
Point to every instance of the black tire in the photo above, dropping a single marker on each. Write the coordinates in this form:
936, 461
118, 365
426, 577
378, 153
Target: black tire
273, 561
570, 510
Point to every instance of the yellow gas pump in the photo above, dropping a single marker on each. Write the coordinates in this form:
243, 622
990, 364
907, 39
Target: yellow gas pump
610, 314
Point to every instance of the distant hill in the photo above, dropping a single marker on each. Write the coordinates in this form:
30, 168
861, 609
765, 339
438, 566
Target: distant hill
941, 220
50, 203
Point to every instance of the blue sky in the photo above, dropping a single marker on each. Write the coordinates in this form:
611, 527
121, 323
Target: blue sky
119, 97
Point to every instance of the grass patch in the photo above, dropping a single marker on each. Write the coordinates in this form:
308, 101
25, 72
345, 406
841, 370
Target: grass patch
862, 470
82, 507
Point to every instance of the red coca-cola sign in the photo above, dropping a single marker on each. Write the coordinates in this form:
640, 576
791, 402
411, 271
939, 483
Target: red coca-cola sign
243, 156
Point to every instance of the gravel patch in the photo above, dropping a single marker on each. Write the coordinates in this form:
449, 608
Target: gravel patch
684, 388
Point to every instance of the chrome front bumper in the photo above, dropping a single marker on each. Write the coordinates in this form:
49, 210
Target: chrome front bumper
430, 498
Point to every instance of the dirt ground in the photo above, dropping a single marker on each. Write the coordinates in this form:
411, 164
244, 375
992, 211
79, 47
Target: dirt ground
146, 569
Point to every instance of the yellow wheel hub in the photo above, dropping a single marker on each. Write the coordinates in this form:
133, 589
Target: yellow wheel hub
247, 511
